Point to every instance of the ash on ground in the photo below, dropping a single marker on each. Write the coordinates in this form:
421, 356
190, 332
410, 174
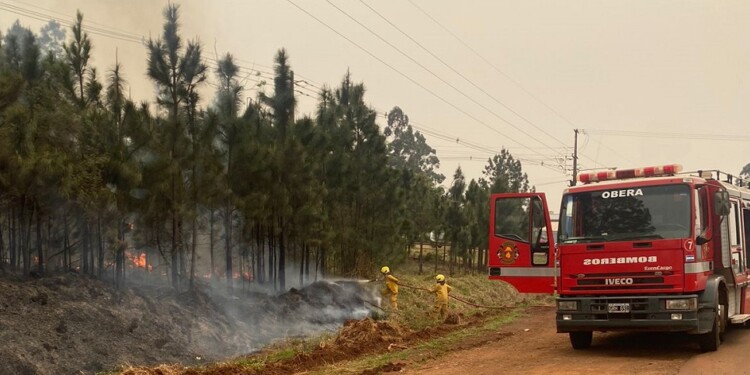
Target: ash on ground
71, 323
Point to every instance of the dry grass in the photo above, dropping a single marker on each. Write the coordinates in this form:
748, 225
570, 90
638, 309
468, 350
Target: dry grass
414, 317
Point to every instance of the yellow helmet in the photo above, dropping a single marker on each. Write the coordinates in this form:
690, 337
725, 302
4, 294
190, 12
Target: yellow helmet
440, 278
385, 269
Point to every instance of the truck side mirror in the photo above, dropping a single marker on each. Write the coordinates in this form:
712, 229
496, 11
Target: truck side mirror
721, 203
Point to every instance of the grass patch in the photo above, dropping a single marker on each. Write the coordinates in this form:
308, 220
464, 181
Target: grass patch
421, 352
257, 362
414, 314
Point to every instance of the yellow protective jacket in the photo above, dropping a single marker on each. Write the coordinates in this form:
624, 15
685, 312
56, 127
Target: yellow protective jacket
441, 292
391, 283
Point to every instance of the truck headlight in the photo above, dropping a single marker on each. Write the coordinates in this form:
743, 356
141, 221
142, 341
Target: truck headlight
567, 305
682, 304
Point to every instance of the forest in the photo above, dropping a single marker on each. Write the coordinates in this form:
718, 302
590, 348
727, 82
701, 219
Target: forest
226, 186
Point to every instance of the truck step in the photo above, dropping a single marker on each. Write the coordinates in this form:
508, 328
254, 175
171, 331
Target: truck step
740, 318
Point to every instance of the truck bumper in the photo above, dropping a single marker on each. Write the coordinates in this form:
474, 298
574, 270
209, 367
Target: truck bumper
644, 313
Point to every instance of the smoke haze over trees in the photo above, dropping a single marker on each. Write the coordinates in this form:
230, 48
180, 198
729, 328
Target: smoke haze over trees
231, 186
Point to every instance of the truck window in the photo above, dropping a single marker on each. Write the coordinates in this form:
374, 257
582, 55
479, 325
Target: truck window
735, 230
512, 218
647, 212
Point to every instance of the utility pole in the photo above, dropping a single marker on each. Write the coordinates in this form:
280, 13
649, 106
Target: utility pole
575, 158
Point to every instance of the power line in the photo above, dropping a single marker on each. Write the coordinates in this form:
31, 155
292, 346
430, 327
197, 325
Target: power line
46, 18
399, 72
67, 15
605, 146
460, 74
516, 83
435, 75
646, 134
488, 62
132, 38
211, 62
129, 36
474, 146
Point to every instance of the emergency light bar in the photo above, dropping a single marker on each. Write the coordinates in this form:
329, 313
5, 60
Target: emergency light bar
618, 174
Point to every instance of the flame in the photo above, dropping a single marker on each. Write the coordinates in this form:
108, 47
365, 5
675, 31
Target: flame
138, 260
248, 276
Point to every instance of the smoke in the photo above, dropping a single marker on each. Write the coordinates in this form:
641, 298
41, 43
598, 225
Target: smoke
257, 316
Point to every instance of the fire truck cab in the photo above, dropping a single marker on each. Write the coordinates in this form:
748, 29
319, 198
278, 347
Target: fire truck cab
637, 249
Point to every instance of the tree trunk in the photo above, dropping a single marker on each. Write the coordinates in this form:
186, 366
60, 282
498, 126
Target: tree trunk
158, 247
100, 241
181, 250
271, 256
12, 238
437, 256
66, 242
211, 244
90, 238
307, 261
84, 257
120, 255
282, 256
260, 272
27, 242
192, 250
228, 243
39, 243
24, 250
174, 255
322, 264
2, 249
421, 248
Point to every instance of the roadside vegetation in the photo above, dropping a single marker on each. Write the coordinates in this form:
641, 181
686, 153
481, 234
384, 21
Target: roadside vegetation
233, 187
387, 340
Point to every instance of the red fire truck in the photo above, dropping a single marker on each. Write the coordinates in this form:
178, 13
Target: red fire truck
638, 249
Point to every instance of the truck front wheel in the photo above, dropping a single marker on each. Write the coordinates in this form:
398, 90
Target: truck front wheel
581, 340
710, 341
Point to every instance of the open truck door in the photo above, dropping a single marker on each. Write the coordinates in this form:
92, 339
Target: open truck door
521, 248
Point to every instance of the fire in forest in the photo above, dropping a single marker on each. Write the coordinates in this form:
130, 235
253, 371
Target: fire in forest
138, 261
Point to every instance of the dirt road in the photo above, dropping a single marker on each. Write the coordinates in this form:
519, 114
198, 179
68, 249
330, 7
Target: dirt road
533, 347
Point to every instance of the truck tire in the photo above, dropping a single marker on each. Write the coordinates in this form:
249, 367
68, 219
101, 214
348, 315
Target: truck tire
581, 340
710, 341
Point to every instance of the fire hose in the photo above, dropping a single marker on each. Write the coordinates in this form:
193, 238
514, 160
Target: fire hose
454, 297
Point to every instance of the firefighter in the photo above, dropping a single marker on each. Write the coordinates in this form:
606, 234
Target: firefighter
391, 287
441, 290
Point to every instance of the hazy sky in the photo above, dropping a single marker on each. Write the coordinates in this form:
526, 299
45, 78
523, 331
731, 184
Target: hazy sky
651, 82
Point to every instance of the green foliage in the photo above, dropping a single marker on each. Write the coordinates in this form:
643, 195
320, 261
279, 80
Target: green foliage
335, 193
409, 149
505, 174
78, 53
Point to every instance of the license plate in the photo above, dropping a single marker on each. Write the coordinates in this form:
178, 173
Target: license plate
618, 307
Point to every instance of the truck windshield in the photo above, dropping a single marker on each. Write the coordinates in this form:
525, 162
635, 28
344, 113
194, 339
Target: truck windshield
638, 213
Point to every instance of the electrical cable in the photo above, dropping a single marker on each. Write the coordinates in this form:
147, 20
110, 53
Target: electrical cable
436, 75
460, 74
403, 74
488, 62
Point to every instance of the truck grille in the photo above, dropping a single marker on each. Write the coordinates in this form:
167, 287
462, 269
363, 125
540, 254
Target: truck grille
620, 281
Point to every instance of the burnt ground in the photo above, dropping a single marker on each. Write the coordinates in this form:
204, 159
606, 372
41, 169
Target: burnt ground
73, 324
356, 338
